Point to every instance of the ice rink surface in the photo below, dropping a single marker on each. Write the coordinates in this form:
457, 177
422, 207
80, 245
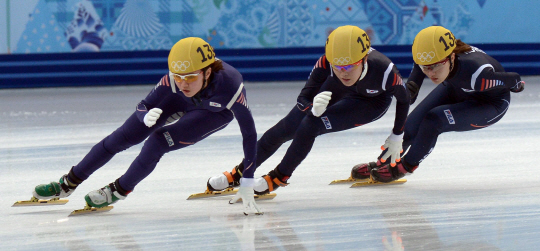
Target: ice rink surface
478, 190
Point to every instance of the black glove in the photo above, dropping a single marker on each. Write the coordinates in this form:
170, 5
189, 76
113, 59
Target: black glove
519, 87
413, 90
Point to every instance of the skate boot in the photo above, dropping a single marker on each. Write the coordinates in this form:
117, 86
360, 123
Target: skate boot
226, 179
56, 190
386, 173
362, 171
270, 182
106, 196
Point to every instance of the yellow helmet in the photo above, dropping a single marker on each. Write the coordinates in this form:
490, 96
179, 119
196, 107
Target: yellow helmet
346, 45
432, 45
190, 54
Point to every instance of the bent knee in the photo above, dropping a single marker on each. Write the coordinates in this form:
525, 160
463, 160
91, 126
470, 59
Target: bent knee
156, 146
314, 126
435, 121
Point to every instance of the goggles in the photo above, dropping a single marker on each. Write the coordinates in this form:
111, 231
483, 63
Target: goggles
435, 66
189, 78
347, 67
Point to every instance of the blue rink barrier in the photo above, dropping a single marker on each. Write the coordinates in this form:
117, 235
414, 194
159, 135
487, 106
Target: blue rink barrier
147, 67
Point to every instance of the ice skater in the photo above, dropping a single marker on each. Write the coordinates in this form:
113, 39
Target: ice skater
474, 94
351, 85
194, 100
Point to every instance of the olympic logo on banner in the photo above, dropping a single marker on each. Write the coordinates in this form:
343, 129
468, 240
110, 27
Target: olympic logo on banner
179, 65
342, 61
425, 56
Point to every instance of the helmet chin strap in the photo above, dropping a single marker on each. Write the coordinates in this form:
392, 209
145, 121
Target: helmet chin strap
364, 71
173, 83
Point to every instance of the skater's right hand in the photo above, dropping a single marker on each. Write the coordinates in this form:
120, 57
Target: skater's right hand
246, 193
152, 116
320, 102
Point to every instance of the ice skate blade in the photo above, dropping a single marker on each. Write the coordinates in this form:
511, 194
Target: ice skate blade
267, 196
349, 180
208, 193
90, 210
371, 182
228, 191
37, 202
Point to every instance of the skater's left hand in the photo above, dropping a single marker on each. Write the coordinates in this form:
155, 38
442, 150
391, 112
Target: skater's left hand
519, 87
246, 193
393, 147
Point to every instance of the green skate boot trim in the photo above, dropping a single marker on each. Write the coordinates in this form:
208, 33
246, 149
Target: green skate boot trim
47, 191
103, 197
54, 190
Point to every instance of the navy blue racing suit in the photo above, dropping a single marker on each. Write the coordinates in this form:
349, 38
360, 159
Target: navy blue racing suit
475, 95
364, 102
183, 122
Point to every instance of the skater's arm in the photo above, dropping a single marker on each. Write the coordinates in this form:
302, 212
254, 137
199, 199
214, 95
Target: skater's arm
317, 77
393, 145
397, 87
153, 98
485, 79
414, 82
249, 134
